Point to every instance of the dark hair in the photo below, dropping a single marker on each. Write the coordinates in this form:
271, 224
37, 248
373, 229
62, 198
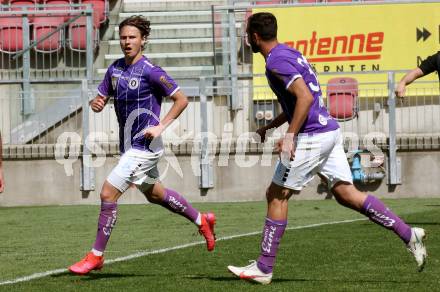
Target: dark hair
264, 24
139, 22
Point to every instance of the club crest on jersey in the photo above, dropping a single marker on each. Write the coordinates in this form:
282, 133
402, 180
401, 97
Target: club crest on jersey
322, 120
133, 83
165, 82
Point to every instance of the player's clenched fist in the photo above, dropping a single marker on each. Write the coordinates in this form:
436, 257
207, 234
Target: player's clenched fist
97, 104
400, 89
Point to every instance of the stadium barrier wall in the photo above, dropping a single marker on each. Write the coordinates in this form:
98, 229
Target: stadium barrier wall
239, 168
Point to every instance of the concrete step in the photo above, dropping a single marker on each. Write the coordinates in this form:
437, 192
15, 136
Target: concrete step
172, 59
169, 5
170, 45
178, 72
41, 121
170, 17
188, 30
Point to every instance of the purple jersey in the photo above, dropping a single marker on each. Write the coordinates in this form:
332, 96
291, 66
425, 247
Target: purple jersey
138, 90
283, 66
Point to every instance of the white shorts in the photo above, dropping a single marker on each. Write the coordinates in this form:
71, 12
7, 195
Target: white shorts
321, 153
135, 167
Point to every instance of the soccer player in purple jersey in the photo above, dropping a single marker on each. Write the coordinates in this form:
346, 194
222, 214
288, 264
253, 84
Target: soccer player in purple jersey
138, 87
312, 144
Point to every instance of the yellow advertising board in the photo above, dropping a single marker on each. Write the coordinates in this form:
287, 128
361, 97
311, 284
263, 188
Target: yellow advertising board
357, 38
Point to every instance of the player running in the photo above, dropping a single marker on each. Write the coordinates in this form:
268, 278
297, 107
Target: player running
138, 87
312, 144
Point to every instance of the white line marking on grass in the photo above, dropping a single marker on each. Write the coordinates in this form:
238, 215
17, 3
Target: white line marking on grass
164, 250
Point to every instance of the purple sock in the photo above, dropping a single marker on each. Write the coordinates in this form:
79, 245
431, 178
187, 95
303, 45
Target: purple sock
106, 222
374, 209
272, 233
177, 204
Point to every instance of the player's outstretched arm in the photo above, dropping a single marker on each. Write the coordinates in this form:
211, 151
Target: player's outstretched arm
408, 79
98, 103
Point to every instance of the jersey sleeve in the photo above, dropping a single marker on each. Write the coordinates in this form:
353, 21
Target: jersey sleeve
284, 70
162, 82
105, 89
430, 64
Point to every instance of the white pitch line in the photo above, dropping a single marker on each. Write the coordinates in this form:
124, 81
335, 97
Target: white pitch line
164, 250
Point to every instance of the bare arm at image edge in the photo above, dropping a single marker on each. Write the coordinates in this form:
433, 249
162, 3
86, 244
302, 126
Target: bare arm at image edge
2, 181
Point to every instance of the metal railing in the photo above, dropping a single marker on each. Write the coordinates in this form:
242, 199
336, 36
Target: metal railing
59, 109
45, 43
228, 106
63, 116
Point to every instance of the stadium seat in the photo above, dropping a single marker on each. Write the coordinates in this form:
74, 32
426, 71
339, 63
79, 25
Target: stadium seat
65, 6
78, 35
17, 5
268, 2
100, 10
342, 93
308, 1
42, 27
11, 34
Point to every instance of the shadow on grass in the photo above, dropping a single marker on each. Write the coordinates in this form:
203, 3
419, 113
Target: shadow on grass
422, 223
97, 276
233, 278
360, 281
282, 280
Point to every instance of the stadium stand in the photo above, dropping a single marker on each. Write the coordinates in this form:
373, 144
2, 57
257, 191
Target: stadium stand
18, 5
342, 93
181, 35
43, 26
11, 36
335, 1
78, 35
101, 9
57, 5
11, 30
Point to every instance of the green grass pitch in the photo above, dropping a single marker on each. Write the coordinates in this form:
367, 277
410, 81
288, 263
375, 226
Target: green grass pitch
357, 256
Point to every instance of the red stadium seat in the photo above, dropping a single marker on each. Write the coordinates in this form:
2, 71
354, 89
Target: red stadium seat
65, 6
342, 93
11, 34
100, 11
78, 35
17, 5
268, 2
308, 1
44, 26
